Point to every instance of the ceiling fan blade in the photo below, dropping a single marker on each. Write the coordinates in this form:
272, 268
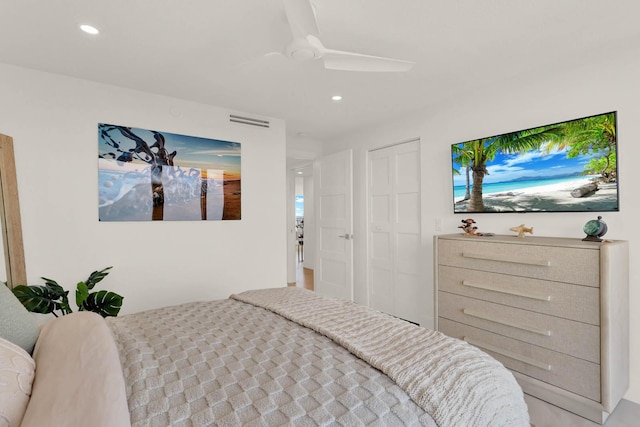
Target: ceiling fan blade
301, 17
350, 61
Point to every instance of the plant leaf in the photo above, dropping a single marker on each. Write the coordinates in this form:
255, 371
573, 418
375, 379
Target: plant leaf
48, 281
56, 289
104, 303
96, 277
37, 299
82, 292
60, 295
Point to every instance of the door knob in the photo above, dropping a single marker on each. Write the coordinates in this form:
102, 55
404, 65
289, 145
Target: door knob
346, 236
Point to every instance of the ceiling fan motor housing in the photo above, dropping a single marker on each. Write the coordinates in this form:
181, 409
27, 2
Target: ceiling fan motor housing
303, 50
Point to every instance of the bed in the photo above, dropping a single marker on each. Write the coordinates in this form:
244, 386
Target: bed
282, 356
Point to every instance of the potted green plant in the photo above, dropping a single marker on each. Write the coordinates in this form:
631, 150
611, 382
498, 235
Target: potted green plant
52, 297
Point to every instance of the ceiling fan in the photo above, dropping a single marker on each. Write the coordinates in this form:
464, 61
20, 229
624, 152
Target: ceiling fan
306, 45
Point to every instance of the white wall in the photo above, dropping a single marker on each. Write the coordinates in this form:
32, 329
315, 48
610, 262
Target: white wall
53, 121
537, 99
302, 150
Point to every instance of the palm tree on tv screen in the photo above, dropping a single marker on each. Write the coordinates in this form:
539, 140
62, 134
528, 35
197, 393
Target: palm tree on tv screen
595, 136
485, 149
463, 157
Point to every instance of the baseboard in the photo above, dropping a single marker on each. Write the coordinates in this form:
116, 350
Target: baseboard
543, 414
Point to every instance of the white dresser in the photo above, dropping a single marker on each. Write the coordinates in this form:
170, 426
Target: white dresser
553, 310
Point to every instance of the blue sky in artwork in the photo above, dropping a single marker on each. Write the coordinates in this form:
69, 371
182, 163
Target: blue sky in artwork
193, 151
533, 164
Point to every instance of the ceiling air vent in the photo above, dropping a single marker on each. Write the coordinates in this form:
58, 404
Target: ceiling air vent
248, 121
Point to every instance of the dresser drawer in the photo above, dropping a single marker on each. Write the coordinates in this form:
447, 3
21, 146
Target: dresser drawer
565, 336
573, 302
563, 371
578, 266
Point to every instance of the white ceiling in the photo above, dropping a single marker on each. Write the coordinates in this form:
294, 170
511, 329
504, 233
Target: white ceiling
213, 51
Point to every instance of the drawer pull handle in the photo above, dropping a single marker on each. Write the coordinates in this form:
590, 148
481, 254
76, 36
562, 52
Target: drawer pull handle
506, 291
490, 257
490, 318
509, 354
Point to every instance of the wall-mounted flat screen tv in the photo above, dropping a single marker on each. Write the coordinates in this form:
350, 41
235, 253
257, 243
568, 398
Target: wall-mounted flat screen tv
563, 167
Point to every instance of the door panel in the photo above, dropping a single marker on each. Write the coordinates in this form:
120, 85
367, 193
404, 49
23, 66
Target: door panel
394, 231
334, 267
332, 207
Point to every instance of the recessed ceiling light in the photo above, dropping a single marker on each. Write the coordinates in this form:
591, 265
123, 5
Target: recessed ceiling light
336, 98
89, 29
299, 172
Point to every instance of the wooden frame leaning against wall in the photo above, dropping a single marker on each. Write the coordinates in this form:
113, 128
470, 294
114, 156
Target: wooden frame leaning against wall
10, 215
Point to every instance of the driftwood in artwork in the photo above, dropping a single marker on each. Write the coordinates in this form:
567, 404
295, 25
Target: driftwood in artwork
155, 155
585, 190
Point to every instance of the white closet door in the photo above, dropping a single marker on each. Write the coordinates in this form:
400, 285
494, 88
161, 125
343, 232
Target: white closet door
333, 275
394, 230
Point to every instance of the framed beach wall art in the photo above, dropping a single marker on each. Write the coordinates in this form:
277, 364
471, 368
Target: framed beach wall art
148, 175
568, 166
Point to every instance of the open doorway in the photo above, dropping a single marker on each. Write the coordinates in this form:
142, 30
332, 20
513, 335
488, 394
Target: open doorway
303, 227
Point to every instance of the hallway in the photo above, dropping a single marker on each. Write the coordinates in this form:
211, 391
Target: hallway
304, 277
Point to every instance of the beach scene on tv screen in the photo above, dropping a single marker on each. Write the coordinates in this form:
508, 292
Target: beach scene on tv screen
564, 167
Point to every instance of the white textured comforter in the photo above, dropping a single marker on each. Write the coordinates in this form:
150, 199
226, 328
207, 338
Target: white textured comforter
229, 363
456, 383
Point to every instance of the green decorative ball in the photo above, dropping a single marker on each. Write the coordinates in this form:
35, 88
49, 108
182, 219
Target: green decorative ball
595, 229
592, 228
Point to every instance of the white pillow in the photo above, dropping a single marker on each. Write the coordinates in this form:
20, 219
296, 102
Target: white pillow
17, 370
